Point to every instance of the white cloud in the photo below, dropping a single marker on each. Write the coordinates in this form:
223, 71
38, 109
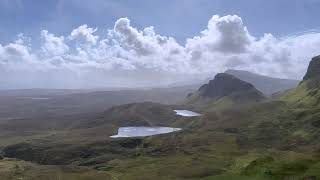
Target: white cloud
53, 45
131, 39
224, 34
84, 35
129, 56
16, 52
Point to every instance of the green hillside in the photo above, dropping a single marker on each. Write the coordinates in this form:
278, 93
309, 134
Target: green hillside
240, 135
224, 91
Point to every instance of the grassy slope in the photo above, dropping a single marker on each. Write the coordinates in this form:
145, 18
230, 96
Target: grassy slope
11, 169
267, 140
240, 142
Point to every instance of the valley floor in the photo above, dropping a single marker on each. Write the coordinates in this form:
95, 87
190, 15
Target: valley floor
272, 139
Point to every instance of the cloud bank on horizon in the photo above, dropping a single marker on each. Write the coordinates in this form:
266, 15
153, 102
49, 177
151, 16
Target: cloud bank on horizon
127, 56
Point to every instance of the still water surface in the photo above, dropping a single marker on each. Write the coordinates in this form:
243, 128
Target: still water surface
143, 131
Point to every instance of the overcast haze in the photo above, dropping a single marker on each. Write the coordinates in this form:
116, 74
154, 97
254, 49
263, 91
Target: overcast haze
96, 43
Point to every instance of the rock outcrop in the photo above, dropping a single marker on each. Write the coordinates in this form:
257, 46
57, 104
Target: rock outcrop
225, 85
313, 71
225, 89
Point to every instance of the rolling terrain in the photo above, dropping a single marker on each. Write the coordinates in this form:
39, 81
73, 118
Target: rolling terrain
241, 135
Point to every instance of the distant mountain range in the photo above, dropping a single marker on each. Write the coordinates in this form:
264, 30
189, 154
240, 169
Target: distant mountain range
241, 133
267, 85
225, 85
225, 89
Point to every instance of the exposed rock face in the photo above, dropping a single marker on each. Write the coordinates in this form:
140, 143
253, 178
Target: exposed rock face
223, 90
225, 84
267, 85
313, 71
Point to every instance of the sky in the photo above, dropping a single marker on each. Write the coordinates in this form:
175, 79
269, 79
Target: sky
114, 43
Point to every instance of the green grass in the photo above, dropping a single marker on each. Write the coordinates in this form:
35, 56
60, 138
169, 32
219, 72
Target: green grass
261, 165
305, 95
273, 139
20, 170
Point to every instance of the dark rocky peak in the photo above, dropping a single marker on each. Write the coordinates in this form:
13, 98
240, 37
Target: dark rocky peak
223, 85
267, 85
313, 71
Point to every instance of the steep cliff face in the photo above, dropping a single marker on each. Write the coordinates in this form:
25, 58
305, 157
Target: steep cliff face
225, 84
225, 89
313, 71
307, 94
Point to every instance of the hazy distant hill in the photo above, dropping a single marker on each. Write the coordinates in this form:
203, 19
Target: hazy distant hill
267, 85
17, 104
225, 89
134, 114
251, 137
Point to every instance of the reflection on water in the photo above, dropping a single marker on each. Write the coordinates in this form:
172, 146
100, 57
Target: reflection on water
186, 113
35, 98
143, 131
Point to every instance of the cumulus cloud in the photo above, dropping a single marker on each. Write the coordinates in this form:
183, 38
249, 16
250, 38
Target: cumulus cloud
84, 35
128, 56
224, 34
53, 45
16, 52
130, 38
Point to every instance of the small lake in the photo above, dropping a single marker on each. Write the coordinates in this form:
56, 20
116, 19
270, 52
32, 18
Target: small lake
35, 98
143, 131
186, 113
